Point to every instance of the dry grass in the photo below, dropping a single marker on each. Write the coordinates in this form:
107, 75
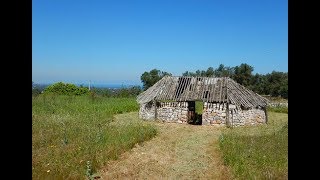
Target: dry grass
179, 151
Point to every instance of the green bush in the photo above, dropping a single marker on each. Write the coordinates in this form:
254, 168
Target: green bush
61, 88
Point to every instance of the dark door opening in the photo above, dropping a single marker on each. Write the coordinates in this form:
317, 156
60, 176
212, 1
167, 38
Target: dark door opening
195, 112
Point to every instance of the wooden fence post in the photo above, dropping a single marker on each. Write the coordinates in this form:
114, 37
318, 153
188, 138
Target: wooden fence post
227, 116
155, 110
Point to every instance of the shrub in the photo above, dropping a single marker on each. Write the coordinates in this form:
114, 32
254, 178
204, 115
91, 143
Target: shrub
61, 88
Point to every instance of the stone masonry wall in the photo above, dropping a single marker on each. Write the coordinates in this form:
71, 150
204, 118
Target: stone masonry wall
173, 112
147, 111
247, 117
166, 111
215, 114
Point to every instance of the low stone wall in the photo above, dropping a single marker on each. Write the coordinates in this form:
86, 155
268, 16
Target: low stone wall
166, 111
173, 112
215, 114
248, 117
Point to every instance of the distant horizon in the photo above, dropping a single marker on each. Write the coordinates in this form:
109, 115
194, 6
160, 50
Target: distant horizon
111, 85
123, 83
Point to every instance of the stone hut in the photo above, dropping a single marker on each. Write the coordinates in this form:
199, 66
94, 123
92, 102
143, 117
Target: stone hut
223, 101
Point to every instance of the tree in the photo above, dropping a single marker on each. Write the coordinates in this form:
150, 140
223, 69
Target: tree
187, 73
224, 71
242, 74
150, 78
209, 72
274, 84
278, 84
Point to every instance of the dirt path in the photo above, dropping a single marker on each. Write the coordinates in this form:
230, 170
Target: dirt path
179, 151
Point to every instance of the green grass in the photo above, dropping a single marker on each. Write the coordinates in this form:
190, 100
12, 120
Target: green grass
259, 152
69, 131
279, 109
199, 107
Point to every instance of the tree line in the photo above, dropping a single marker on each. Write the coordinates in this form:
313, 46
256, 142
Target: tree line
274, 84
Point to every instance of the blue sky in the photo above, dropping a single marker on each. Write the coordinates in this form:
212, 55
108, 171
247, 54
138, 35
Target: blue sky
115, 41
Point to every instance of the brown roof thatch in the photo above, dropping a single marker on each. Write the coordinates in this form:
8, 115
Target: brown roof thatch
207, 89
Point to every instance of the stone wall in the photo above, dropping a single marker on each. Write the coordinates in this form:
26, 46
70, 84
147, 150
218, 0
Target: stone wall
247, 117
147, 111
166, 111
215, 114
173, 112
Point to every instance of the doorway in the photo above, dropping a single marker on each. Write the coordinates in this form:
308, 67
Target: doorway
195, 109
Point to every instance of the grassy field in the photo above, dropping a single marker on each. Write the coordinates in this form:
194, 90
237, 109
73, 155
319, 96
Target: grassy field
179, 151
279, 109
259, 152
72, 137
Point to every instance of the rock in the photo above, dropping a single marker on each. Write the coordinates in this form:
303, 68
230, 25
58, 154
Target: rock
259, 120
232, 106
213, 114
204, 122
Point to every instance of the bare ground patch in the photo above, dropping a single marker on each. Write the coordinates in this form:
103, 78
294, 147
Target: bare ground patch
179, 151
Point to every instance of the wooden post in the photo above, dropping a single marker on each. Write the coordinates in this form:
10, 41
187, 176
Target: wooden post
227, 116
266, 114
227, 109
232, 118
155, 110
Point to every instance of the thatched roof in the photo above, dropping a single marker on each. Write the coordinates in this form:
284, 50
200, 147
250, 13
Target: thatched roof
206, 89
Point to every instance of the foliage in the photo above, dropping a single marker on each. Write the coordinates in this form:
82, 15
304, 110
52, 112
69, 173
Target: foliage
68, 131
61, 88
274, 84
242, 74
122, 92
199, 107
150, 78
279, 109
259, 152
